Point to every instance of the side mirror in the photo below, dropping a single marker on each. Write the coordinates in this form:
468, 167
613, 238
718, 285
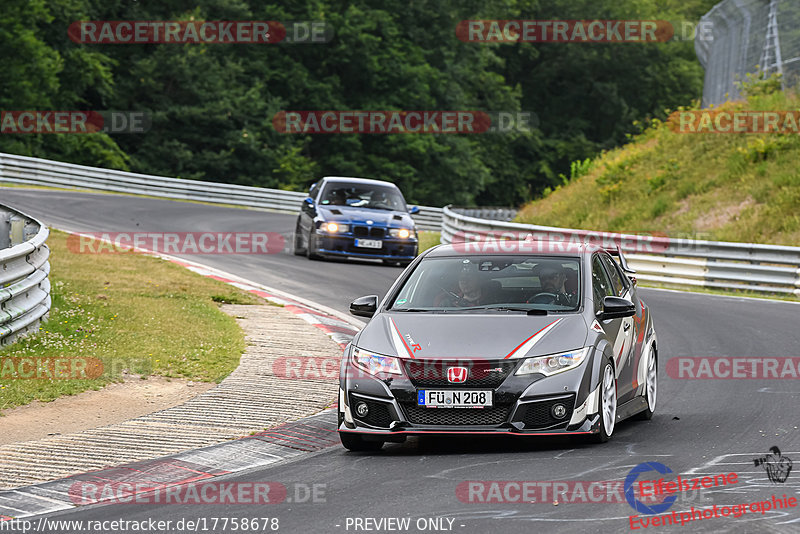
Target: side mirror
617, 307
413, 210
364, 306
309, 202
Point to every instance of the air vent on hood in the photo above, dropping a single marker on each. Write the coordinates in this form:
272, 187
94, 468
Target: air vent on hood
397, 218
336, 212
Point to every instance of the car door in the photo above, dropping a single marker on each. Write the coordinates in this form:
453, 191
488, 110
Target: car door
308, 210
626, 349
601, 288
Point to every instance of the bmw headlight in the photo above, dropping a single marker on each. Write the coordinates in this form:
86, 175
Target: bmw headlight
402, 233
375, 364
555, 363
334, 228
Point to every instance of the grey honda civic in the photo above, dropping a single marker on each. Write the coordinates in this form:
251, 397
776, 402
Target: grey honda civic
518, 339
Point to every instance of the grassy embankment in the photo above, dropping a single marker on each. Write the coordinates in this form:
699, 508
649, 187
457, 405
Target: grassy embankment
726, 187
136, 314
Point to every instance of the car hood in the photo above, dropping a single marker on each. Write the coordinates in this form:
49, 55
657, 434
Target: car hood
481, 336
350, 215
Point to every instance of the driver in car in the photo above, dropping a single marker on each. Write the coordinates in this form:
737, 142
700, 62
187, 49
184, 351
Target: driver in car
552, 279
469, 292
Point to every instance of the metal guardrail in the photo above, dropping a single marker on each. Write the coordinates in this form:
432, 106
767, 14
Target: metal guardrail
35, 171
771, 269
24, 270
494, 214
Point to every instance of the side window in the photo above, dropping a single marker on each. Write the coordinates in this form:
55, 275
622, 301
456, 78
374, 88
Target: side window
314, 190
601, 285
617, 282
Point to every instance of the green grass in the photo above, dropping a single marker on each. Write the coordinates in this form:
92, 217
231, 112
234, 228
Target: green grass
134, 313
727, 187
428, 239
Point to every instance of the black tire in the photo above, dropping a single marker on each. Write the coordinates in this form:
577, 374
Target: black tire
606, 431
298, 237
311, 246
355, 443
652, 366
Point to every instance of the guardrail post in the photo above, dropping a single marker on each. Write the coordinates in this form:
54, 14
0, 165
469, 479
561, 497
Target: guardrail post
5, 229
16, 232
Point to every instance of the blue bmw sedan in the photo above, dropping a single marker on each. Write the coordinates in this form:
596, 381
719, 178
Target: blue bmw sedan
356, 217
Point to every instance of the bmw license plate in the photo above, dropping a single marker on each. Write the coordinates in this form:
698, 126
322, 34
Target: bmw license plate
436, 398
369, 243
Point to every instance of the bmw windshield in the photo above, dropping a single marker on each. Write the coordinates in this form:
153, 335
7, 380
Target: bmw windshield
363, 196
503, 283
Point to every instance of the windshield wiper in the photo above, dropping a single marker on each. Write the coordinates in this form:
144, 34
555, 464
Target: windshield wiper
529, 311
411, 310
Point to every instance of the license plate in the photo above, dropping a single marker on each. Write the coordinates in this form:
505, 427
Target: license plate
435, 398
369, 243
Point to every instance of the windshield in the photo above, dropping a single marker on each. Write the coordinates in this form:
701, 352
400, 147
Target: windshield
466, 283
363, 196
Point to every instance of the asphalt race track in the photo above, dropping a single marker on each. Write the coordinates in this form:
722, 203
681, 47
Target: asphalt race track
701, 427
333, 283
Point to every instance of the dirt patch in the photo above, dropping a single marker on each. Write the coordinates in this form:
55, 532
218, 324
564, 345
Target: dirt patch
722, 215
92, 409
683, 208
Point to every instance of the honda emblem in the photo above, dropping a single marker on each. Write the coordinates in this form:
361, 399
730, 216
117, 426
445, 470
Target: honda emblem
457, 375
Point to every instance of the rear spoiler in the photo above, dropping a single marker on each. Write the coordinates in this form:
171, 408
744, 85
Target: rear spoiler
622, 261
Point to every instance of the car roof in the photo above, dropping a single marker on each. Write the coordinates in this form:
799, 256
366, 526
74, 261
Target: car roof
353, 180
530, 248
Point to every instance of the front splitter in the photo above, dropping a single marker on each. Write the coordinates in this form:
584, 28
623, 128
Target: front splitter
589, 426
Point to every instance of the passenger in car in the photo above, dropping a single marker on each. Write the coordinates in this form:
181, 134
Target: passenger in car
470, 292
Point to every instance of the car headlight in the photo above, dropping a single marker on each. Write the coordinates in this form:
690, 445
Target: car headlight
555, 363
402, 233
334, 228
375, 364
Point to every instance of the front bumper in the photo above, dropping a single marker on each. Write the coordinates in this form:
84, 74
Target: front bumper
523, 406
344, 245
589, 427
